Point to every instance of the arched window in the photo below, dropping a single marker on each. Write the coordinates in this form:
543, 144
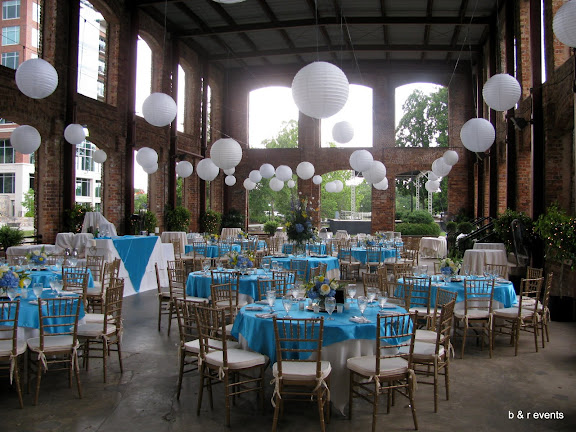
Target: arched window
143, 74
272, 125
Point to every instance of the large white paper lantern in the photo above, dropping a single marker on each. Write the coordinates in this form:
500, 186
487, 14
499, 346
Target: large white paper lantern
267, 170
230, 171
206, 169
226, 153
330, 187
290, 183
450, 157
74, 133
477, 135
305, 170
376, 172
255, 176
146, 156
339, 185
230, 180
317, 179
564, 24
276, 184
432, 186
501, 92
381, 185
36, 78
184, 169
320, 90
284, 173
249, 184
151, 169
361, 160
25, 139
432, 176
159, 109
100, 156
343, 132
440, 168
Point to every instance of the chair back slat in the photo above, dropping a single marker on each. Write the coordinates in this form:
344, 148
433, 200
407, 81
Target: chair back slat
394, 338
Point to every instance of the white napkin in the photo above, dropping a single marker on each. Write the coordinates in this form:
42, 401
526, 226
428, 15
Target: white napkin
253, 308
388, 306
360, 320
266, 315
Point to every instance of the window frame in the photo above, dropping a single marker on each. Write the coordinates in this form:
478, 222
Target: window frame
4, 178
15, 7
6, 35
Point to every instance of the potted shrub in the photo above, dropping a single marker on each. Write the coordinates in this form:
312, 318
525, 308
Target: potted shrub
233, 219
74, 217
177, 219
10, 237
270, 227
210, 222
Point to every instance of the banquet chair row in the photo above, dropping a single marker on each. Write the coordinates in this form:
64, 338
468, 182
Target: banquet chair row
96, 296
11, 348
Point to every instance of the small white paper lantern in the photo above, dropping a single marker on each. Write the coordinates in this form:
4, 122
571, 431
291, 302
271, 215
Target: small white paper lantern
501, 92
376, 172
267, 170
432, 176
305, 170
317, 179
432, 185
74, 133
151, 169
343, 132
249, 184
382, 185
290, 183
226, 153
320, 90
100, 156
276, 184
146, 156
440, 168
206, 169
36, 78
477, 135
339, 186
330, 187
230, 171
25, 139
361, 160
255, 176
230, 180
450, 157
159, 109
564, 24
284, 173
184, 169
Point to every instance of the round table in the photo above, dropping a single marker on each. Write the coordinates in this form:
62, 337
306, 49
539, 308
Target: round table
332, 264
198, 285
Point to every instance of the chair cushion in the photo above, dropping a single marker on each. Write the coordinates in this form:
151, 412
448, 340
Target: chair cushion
194, 345
512, 312
237, 359
51, 343
428, 336
301, 370
6, 347
94, 318
420, 310
472, 314
94, 291
92, 330
424, 351
366, 365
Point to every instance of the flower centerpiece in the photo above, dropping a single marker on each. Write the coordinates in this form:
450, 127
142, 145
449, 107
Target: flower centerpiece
369, 242
299, 228
448, 265
242, 235
320, 288
238, 260
11, 279
211, 238
37, 256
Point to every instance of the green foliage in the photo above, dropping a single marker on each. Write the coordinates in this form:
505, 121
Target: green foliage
465, 227
558, 231
451, 227
74, 217
10, 237
28, 203
419, 217
423, 229
503, 229
144, 220
271, 226
140, 200
210, 222
233, 219
286, 138
177, 219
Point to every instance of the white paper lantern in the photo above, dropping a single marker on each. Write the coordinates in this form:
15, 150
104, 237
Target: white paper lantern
184, 169
249, 184
305, 170
226, 153
25, 139
317, 179
432, 176
151, 169
320, 90
432, 185
376, 172
501, 92
267, 170
330, 187
74, 133
382, 185
477, 135
229, 1
276, 184
159, 109
339, 186
284, 173
290, 183
100, 156
361, 160
146, 156
230, 171
450, 157
343, 132
36, 78
440, 168
206, 169
230, 180
564, 24
255, 176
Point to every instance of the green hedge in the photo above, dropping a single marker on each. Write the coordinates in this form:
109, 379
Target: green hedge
429, 229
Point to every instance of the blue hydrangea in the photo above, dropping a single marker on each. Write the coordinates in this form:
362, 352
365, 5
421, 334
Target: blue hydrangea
299, 228
9, 279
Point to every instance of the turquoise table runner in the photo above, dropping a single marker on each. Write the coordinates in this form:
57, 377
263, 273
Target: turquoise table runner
135, 253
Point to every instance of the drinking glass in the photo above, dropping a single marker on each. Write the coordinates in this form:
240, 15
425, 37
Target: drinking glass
362, 303
382, 299
446, 275
219, 265
271, 298
266, 268
275, 266
287, 302
12, 292
56, 286
26, 282
37, 288
206, 266
415, 271
330, 305
424, 270
351, 289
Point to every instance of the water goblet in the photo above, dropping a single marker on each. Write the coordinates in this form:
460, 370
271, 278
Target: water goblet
371, 293
12, 292
275, 266
37, 288
206, 266
382, 299
287, 303
271, 298
219, 265
266, 268
330, 305
415, 271
424, 270
351, 290
362, 303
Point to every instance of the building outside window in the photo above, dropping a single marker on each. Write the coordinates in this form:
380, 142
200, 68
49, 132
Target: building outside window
35, 38
11, 59
82, 187
98, 189
7, 182
6, 152
11, 35
84, 152
11, 9
36, 9
31, 182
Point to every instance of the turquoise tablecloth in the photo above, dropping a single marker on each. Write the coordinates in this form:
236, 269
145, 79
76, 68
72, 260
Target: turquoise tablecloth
135, 253
360, 254
45, 276
317, 248
212, 250
198, 284
331, 262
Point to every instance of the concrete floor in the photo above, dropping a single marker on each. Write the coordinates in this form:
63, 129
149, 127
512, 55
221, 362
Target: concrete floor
484, 391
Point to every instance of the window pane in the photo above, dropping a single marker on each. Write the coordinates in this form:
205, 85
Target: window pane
11, 59
7, 183
91, 51
36, 10
6, 152
82, 187
11, 35
11, 9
